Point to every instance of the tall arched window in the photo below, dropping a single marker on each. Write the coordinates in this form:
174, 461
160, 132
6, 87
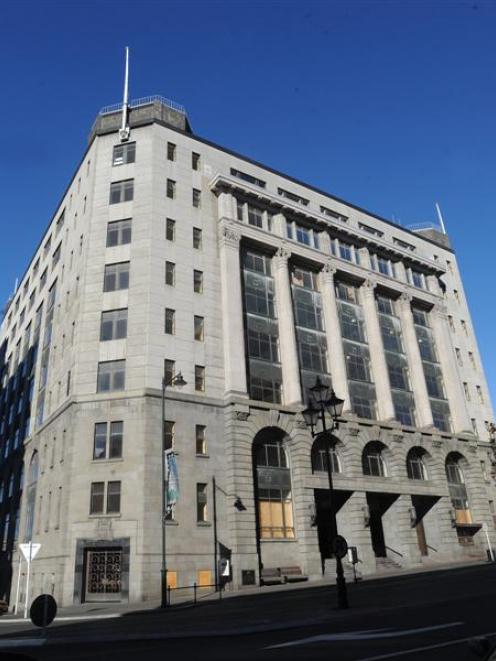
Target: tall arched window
31, 496
273, 486
457, 488
415, 466
319, 456
372, 459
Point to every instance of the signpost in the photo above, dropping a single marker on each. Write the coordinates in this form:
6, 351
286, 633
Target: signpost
29, 551
485, 528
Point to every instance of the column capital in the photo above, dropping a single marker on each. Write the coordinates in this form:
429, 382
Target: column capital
283, 253
405, 298
369, 287
328, 271
229, 235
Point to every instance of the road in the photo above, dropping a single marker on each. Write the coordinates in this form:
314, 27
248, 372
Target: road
423, 616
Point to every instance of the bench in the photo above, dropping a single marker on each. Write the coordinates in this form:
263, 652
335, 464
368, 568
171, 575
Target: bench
292, 574
271, 576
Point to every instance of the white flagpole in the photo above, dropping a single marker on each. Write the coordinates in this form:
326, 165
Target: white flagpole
18, 584
27, 581
124, 132
440, 216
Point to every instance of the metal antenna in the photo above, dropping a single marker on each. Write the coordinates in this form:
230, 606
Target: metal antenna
440, 216
125, 130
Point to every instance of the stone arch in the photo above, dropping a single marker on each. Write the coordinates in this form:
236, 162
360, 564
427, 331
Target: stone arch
272, 484
418, 463
374, 459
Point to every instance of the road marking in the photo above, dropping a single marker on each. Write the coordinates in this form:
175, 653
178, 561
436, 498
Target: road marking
369, 634
426, 648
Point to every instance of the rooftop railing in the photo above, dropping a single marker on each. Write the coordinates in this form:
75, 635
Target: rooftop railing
424, 226
144, 101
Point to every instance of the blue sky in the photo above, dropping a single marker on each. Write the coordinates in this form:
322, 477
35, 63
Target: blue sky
390, 105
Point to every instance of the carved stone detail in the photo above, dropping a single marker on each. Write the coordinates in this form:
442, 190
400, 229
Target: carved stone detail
353, 431
300, 424
103, 529
283, 252
230, 235
241, 415
398, 438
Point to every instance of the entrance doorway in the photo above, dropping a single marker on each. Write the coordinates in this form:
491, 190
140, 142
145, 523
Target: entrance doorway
422, 542
102, 574
421, 505
378, 504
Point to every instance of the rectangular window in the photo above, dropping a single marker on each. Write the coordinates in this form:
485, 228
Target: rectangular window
171, 189
115, 439
240, 210
333, 214
111, 376
169, 432
195, 161
472, 359
169, 370
170, 229
171, 151
201, 502
43, 278
196, 198
96, 498
466, 391
170, 273
121, 191
370, 230
199, 378
113, 325
291, 196
170, 321
113, 497
464, 326
116, 276
459, 356
119, 232
100, 441
56, 256
255, 216
124, 154
479, 394
198, 281
199, 328
197, 238
201, 442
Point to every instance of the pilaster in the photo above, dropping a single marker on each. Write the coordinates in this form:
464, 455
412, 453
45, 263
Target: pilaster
232, 297
287, 333
336, 360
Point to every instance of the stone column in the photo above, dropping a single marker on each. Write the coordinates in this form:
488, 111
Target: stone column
227, 206
335, 352
232, 304
446, 355
423, 411
385, 407
287, 333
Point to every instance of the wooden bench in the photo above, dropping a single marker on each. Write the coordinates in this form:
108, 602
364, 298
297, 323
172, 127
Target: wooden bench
292, 574
271, 576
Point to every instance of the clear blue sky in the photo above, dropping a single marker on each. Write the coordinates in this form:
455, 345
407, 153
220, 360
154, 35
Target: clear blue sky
390, 105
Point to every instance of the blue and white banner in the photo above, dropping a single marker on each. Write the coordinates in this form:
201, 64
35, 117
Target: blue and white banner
172, 479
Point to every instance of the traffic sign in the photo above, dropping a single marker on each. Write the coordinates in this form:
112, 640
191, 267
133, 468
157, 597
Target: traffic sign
340, 546
43, 610
29, 555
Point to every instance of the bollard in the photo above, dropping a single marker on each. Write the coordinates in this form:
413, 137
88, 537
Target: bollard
194, 593
168, 595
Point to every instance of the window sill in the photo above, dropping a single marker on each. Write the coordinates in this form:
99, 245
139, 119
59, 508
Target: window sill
202, 456
279, 540
203, 524
114, 460
172, 522
102, 515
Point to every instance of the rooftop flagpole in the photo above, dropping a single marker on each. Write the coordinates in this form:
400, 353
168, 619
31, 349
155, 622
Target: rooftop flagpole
124, 131
440, 216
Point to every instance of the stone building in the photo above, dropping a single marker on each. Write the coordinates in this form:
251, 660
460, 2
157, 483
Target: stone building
171, 254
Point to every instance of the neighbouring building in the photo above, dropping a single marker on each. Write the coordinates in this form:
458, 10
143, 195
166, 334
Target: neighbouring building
171, 254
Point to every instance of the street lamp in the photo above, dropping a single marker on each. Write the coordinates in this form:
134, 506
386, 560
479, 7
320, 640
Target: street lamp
323, 400
176, 380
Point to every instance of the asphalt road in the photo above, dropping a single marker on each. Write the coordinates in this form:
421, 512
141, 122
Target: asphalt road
425, 616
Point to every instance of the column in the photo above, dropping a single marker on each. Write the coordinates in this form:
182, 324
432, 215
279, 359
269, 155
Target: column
446, 355
385, 407
227, 206
336, 360
423, 412
232, 310
287, 333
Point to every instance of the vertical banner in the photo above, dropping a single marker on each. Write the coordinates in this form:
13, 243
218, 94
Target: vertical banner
172, 480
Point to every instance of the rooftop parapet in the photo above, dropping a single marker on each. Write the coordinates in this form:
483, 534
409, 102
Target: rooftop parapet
141, 111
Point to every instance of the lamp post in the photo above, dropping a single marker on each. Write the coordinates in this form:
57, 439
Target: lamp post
323, 400
176, 380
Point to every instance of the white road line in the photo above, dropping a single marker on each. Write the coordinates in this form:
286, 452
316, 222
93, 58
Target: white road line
363, 635
426, 648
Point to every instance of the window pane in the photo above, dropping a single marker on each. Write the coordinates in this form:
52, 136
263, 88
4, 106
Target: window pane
96, 498
115, 441
201, 445
199, 328
113, 497
199, 378
99, 449
198, 281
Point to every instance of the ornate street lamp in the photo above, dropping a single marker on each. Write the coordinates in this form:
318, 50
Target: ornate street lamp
179, 381
324, 400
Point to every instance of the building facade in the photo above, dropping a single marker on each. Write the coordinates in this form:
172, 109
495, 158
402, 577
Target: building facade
170, 254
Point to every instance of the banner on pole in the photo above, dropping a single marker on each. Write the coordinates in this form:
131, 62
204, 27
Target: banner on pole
172, 480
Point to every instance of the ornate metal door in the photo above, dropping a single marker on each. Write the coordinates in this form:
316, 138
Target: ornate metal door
103, 575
